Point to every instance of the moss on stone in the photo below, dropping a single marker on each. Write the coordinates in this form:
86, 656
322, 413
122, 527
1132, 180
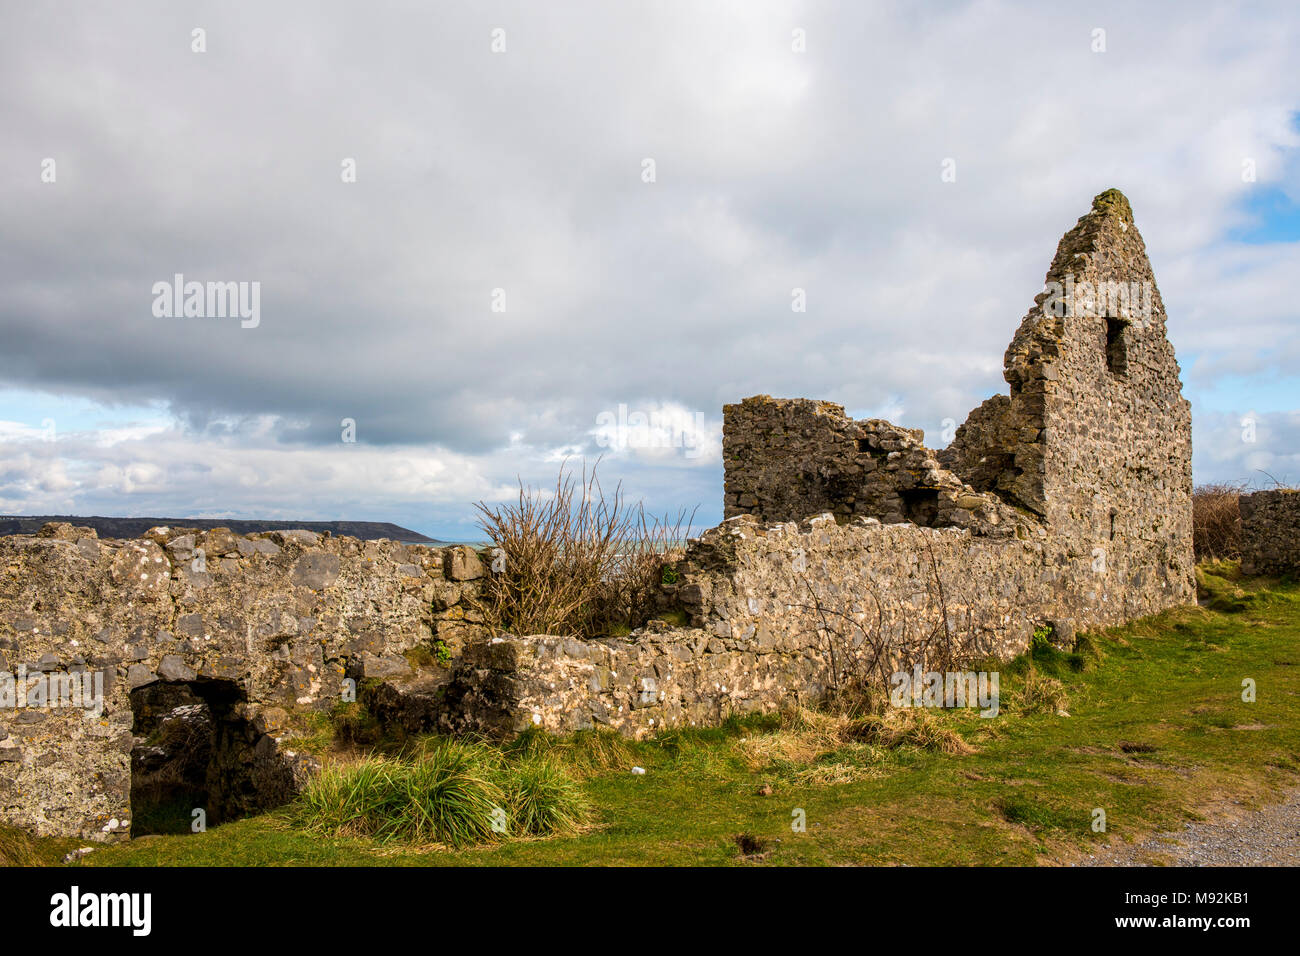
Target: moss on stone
1112, 200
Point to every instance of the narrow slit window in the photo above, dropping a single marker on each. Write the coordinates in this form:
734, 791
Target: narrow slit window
1117, 346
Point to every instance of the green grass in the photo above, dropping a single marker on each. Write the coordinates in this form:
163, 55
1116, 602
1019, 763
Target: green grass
449, 792
1157, 734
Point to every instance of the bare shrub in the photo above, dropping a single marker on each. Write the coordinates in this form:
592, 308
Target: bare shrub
1216, 522
576, 562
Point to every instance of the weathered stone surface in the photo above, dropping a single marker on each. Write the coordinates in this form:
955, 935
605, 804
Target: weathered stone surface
787, 459
1270, 532
460, 563
173, 667
316, 570
383, 666
278, 618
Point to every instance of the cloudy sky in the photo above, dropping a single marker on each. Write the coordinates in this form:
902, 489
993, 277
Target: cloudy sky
491, 236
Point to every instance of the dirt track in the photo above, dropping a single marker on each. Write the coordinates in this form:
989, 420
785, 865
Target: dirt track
1238, 836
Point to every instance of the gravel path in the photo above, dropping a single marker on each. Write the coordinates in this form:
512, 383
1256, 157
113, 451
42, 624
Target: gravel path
1238, 836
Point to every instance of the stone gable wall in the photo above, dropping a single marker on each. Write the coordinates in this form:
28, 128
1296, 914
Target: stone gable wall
1116, 440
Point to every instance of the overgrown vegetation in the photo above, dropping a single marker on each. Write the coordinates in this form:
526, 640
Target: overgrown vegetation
17, 848
575, 561
1216, 521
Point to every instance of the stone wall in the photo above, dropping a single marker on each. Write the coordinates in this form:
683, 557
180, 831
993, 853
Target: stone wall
1270, 532
283, 617
776, 616
1090, 452
788, 459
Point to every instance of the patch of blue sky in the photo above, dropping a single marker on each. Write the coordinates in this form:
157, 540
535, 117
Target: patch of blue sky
74, 413
1272, 216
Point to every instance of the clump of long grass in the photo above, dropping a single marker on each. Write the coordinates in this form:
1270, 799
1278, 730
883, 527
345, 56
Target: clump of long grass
17, 848
909, 727
576, 562
584, 753
1216, 521
542, 798
1039, 693
806, 737
444, 792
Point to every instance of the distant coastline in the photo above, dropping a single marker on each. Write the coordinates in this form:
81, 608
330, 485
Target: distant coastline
135, 527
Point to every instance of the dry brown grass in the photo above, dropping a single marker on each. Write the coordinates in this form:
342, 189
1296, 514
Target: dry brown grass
911, 727
806, 737
17, 848
803, 737
576, 562
1216, 522
1039, 694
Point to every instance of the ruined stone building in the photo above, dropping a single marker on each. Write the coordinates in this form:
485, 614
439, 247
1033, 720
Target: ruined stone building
1090, 454
1063, 505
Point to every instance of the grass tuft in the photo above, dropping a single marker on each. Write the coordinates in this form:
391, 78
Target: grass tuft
542, 798
439, 791
1039, 693
17, 848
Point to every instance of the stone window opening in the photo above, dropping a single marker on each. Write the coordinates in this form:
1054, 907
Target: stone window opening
921, 505
1113, 513
1117, 346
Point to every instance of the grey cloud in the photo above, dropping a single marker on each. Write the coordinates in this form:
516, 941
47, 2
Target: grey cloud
522, 171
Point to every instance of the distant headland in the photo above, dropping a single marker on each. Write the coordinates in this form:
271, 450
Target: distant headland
135, 527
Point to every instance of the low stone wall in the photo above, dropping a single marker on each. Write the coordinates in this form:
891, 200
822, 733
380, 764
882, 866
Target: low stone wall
265, 627
1270, 532
778, 614
284, 618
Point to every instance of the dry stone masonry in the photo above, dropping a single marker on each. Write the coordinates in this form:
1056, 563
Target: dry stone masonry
1065, 504
1270, 532
254, 628
849, 550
